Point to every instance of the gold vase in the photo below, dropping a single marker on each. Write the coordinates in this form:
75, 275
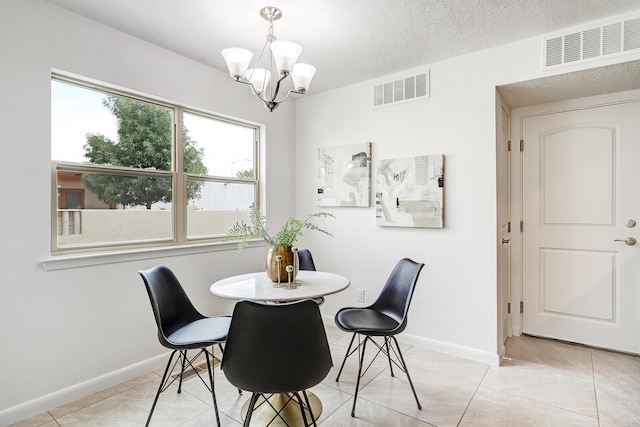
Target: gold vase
277, 272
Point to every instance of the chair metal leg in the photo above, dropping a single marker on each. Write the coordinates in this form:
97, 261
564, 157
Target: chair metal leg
406, 371
386, 344
360, 363
164, 378
306, 399
346, 355
252, 404
387, 349
213, 393
183, 354
296, 397
221, 351
184, 362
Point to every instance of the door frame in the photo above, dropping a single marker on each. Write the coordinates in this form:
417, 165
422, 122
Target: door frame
503, 165
517, 117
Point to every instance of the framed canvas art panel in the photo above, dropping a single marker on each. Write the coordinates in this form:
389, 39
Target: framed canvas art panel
344, 175
409, 192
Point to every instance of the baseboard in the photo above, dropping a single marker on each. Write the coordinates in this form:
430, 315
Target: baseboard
451, 349
441, 347
69, 394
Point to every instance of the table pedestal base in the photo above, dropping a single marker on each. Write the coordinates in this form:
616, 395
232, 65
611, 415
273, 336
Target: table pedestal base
263, 412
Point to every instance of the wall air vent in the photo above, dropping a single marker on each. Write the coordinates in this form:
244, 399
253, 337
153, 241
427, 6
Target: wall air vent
594, 42
398, 90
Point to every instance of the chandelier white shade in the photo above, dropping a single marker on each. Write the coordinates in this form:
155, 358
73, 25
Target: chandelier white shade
302, 75
280, 61
237, 60
259, 79
285, 54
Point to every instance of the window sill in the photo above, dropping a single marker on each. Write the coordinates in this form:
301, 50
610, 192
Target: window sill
64, 262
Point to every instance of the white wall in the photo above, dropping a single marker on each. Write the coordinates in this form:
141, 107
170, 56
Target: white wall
454, 306
70, 332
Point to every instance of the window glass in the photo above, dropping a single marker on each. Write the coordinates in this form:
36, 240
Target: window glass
227, 149
75, 113
101, 223
105, 129
117, 175
218, 207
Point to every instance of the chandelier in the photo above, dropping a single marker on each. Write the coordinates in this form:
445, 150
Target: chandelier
280, 61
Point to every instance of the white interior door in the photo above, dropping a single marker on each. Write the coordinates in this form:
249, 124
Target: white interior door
581, 178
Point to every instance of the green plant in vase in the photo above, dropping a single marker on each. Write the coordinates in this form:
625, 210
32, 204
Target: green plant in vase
280, 244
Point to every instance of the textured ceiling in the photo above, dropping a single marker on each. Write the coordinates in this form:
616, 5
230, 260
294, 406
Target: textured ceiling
347, 40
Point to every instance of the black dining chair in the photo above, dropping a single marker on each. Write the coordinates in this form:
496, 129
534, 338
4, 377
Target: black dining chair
278, 349
181, 328
386, 317
305, 262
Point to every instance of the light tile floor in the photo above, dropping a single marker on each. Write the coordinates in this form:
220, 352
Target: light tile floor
546, 383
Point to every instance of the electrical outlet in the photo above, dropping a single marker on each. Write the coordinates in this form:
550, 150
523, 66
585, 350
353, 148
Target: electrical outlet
360, 295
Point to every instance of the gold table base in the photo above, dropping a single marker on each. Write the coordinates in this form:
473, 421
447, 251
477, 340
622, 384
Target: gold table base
263, 413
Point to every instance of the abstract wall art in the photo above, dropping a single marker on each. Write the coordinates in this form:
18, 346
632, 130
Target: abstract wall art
409, 192
344, 175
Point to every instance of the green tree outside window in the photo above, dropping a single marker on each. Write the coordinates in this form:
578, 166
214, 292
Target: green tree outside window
144, 141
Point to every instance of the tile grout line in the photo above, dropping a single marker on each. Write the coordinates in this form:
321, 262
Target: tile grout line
53, 418
474, 395
595, 388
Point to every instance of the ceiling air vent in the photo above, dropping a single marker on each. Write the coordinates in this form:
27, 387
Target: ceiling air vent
401, 89
600, 41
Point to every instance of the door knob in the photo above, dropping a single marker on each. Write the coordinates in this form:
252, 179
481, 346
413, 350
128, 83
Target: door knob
505, 240
630, 241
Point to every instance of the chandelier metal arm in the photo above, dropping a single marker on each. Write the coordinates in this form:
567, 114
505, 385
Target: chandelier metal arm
275, 93
270, 104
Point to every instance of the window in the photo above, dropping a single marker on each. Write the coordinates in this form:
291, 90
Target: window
130, 171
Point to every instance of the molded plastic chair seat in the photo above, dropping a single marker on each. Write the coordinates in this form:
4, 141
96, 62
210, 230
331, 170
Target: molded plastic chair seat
211, 330
181, 328
386, 317
368, 322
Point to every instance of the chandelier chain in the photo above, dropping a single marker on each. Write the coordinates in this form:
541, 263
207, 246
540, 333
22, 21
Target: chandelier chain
271, 37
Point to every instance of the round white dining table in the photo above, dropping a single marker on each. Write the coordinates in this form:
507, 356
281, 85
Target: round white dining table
258, 286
